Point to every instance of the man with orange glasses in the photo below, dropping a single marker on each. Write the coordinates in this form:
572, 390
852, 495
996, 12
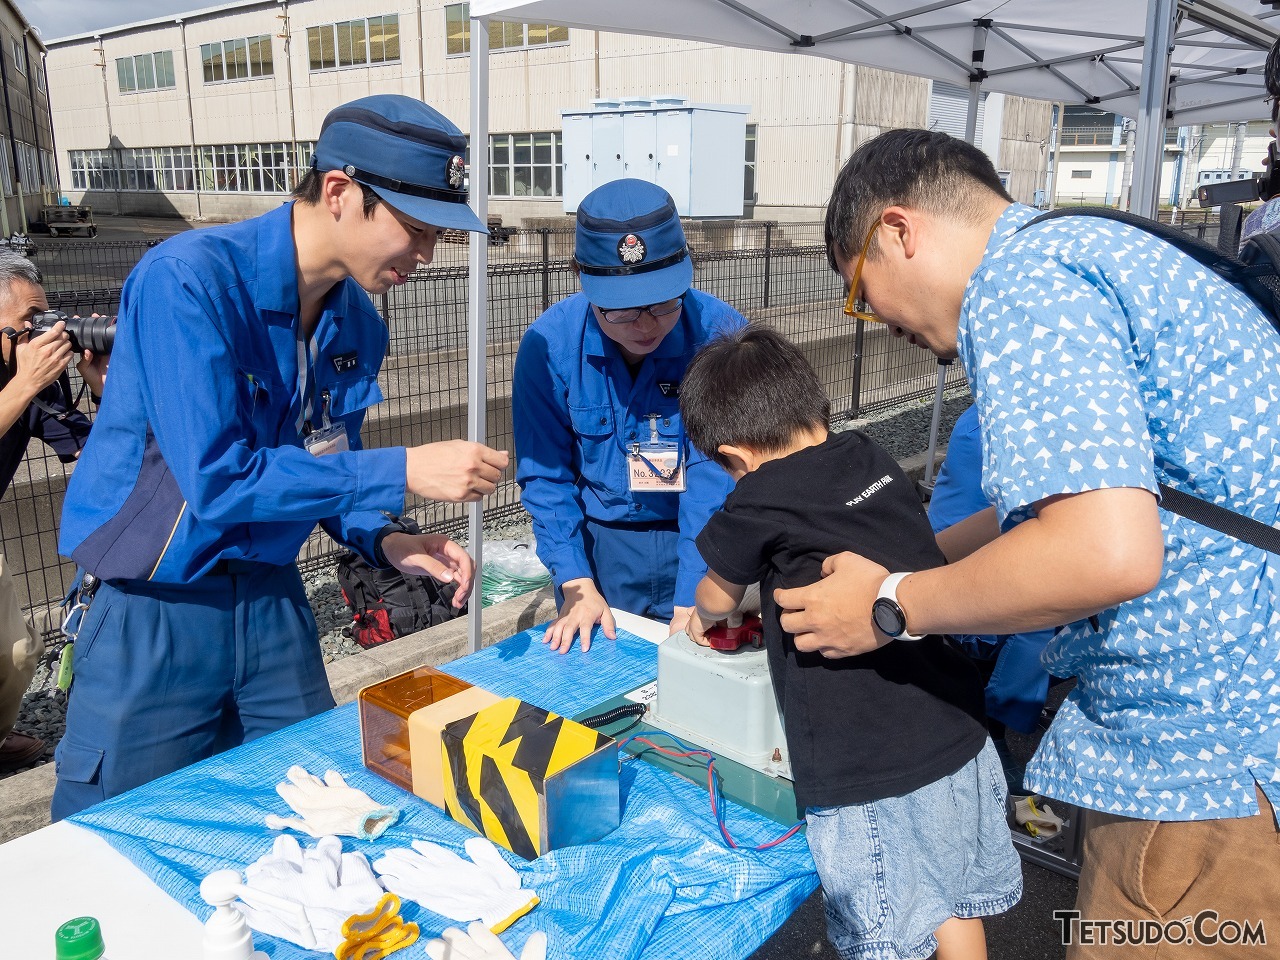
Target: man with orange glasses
1103, 362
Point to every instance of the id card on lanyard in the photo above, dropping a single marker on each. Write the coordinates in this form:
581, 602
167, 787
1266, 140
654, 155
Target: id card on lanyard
330, 437
656, 466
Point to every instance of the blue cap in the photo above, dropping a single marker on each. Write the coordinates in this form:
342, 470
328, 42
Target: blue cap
630, 247
409, 154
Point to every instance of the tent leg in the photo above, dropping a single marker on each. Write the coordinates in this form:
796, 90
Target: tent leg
970, 135
478, 301
926, 485
1153, 98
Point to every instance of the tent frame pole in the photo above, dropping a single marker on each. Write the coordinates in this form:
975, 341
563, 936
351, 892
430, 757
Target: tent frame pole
478, 302
1153, 98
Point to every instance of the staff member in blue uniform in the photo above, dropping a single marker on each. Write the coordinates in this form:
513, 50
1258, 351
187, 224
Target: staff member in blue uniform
616, 491
245, 360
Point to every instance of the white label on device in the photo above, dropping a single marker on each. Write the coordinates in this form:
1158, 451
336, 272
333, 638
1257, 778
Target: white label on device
646, 694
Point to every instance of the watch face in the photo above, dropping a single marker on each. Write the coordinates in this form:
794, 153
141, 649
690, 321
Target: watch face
888, 617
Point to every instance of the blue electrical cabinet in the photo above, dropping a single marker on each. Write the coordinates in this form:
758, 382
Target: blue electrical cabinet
696, 152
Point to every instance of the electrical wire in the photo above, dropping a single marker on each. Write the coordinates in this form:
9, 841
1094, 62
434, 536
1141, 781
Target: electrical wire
714, 790
614, 715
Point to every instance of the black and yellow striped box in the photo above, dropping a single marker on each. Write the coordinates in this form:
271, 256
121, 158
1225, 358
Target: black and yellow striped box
529, 779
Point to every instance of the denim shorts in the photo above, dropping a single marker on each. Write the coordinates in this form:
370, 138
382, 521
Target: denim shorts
894, 870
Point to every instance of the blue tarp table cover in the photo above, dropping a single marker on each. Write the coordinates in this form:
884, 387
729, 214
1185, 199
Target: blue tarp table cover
663, 885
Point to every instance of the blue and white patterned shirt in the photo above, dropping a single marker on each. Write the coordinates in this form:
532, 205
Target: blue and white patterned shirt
1101, 357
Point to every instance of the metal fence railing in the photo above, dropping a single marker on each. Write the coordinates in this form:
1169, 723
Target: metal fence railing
773, 272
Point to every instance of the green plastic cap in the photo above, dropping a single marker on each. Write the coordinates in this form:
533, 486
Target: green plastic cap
79, 939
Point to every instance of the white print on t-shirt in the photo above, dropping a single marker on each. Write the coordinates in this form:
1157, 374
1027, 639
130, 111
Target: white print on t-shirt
882, 482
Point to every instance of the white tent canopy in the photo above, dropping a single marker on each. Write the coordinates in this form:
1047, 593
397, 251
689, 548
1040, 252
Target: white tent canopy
1160, 61
1080, 51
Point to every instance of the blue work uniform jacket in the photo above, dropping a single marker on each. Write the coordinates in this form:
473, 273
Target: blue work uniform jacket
196, 455
576, 410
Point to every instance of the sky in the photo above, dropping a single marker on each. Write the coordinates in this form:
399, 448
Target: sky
63, 18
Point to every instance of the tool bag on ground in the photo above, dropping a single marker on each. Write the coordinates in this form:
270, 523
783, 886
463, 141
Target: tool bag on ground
1256, 271
386, 603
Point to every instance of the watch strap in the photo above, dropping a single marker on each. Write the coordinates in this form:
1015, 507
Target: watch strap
889, 591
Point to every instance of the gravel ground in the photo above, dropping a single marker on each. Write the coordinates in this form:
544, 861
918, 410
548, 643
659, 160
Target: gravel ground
902, 430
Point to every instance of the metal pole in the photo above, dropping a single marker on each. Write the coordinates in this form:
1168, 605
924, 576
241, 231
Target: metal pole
191, 120
545, 233
926, 484
768, 254
859, 337
970, 134
478, 298
1152, 107
1126, 172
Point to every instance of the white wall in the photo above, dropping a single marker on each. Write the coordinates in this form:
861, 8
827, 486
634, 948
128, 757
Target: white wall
809, 112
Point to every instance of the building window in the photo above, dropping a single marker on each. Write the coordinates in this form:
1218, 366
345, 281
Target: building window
354, 43
502, 35
93, 170
1081, 174
222, 168
28, 164
525, 165
749, 173
237, 59
147, 71
6, 169
39, 68
19, 56
247, 168
48, 170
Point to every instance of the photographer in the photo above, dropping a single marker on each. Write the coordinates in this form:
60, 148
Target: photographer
34, 402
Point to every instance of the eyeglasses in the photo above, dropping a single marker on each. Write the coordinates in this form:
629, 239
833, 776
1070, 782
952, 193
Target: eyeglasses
1270, 101
632, 314
852, 299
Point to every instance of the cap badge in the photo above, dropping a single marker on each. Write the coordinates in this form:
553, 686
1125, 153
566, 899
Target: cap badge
631, 249
455, 171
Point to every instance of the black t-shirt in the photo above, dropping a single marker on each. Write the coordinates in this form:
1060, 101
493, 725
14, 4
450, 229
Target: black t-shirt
859, 728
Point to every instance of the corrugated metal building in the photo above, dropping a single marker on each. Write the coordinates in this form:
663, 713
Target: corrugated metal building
27, 175
212, 115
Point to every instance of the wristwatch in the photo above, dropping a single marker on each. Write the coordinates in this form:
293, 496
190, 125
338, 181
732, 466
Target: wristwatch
887, 612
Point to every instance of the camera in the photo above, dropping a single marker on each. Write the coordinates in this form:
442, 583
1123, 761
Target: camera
87, 333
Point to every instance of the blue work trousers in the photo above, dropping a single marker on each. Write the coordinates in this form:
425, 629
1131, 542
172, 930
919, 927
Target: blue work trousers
634, 566
168, 674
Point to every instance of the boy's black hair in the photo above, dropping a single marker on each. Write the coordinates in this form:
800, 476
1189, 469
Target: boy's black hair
753, 388
308, 191
925, 169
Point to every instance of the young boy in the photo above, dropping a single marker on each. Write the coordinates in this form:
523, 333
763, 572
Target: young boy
903, 792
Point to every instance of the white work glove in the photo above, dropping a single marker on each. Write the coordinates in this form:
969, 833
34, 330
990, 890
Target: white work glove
306, 896
329, 807
484, 888
477, 942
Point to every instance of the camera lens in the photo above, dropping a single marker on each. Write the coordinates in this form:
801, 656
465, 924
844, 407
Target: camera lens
92, 333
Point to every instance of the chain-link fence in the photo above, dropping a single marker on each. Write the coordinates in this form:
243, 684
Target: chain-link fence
774, 273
